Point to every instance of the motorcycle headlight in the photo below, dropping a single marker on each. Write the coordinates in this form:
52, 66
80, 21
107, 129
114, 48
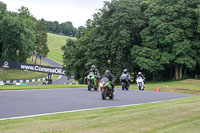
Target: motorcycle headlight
100, 84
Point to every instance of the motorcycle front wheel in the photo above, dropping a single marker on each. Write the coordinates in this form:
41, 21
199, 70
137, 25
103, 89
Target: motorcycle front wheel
103, 93
89, 85
123, 85
127, 85
112, 96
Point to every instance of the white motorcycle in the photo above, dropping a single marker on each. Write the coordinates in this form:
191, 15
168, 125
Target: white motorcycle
140, 83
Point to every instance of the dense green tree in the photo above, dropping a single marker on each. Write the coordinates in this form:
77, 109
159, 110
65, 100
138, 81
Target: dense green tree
111, 34
157, 37
18, 34
171, 29
80, 31
16, 39
3, 10
65, 28
74, 59
41, 40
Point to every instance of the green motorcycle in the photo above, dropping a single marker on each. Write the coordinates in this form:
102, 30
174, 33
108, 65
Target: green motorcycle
106, 88
92, 78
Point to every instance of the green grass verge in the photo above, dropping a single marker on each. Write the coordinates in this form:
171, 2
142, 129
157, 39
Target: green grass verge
55, 77
11, 74
190, 86
55, 42
177, 116
31, 87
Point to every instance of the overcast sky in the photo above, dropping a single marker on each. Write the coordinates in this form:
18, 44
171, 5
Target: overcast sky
76, 11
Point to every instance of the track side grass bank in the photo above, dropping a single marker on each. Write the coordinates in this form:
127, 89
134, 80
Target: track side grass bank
188, 86
31, 87
177, 116
55, 42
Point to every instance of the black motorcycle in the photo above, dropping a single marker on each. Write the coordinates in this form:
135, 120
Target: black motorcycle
125, 81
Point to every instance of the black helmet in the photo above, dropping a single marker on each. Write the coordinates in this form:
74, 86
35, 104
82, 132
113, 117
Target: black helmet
125, 71
93, 67
107, 73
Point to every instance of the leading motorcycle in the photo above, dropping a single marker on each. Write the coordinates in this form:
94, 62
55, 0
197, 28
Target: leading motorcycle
106, 88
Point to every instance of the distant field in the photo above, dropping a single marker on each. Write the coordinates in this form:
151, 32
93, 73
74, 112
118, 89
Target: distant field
54, 43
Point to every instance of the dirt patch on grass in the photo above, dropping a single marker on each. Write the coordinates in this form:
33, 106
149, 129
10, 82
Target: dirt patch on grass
181, 90
191, 81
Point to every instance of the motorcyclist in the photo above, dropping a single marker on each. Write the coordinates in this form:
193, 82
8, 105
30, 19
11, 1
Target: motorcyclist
142, 76
96, 72
125, 71
110, 78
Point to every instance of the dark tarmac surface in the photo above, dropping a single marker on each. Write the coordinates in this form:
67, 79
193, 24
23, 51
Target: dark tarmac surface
37, 102
63, 79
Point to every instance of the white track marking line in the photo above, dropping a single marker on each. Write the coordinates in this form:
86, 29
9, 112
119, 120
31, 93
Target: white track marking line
28, 116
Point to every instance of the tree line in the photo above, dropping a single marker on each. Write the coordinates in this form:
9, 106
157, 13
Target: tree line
160, 38
21, 35
65, 28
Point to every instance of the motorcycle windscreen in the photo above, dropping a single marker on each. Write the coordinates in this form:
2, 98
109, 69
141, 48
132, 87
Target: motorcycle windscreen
91, 73
139, 79
104, 80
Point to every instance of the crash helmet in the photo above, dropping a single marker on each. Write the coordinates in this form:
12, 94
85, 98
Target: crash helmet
93, 67
125, 71
139, 73
107, 73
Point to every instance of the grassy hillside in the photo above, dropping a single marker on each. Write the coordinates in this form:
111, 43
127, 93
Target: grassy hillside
54, 43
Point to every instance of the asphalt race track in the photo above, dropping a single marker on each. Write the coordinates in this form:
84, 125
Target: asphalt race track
63, 79
38, 102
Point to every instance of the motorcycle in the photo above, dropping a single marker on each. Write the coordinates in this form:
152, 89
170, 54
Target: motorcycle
125, 78
106, 88
140, 83
47, 81
92, 81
